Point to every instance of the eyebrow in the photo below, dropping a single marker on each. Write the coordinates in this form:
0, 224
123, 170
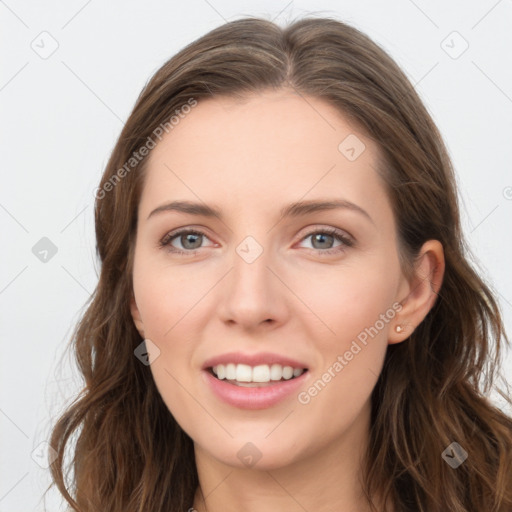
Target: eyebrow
296, 209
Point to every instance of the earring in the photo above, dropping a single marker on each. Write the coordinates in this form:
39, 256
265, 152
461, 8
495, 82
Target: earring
398, 328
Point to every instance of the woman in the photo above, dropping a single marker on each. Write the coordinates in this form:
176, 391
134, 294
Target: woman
234, 362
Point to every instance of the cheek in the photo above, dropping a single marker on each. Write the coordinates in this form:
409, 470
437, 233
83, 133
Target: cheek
356, 305
348, 301
166, 306
169, 301
167, 294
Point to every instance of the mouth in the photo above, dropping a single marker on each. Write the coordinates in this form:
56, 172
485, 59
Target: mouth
262, 375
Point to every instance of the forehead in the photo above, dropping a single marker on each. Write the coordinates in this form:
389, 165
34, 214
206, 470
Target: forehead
256, 152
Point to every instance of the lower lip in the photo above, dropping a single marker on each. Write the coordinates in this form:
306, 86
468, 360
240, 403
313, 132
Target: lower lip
257, 397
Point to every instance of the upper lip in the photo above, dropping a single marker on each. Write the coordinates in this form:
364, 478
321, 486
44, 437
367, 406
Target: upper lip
252, 360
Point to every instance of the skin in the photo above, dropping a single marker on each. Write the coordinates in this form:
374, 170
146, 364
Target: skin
251, 158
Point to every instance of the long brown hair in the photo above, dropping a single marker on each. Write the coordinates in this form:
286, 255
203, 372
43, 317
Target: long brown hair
131, 455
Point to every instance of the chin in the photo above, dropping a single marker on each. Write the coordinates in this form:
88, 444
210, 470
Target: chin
258, 454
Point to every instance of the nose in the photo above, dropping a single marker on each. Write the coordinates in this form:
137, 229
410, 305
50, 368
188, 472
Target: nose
253, 292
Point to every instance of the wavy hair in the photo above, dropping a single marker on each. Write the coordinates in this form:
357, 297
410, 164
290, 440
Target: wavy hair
131, 455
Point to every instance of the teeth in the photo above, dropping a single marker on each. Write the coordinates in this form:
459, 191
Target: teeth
221, 372
276, 372
243, 372
231, 371
260, 373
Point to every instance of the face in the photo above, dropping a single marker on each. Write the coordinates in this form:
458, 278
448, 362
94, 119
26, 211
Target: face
260, 286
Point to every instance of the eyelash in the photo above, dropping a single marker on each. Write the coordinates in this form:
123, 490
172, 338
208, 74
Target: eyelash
165, 243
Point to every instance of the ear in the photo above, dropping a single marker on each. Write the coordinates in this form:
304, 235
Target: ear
418, 295
137, 320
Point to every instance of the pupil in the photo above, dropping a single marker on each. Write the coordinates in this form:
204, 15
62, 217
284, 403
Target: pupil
187, 239
321, 236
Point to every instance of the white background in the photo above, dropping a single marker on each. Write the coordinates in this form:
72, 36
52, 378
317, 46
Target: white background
60, 117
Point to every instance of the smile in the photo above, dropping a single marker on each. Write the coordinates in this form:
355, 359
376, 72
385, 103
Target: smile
255, 395
252, 376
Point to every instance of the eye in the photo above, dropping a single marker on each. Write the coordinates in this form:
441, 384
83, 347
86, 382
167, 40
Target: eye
189, 238
319, 237
190, 241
